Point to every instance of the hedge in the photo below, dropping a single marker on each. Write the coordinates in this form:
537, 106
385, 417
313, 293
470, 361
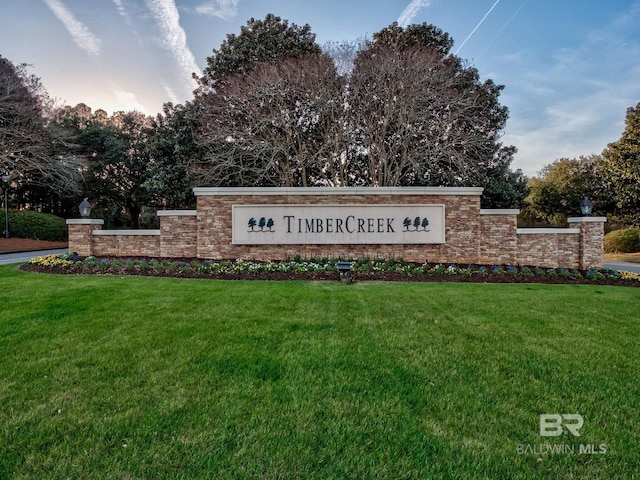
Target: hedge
39, 226
626, 240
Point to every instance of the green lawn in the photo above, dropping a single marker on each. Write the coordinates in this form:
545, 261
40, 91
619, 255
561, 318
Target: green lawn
128, 377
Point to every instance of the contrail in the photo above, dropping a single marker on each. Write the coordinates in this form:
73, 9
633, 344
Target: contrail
477, 26
175, 38
409, 13
83, 37
503, 27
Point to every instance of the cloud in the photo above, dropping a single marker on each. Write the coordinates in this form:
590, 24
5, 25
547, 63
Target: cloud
173, 98
411, 11
573, 101
128, 102
83, 37
121, 10
173, 35
225, 9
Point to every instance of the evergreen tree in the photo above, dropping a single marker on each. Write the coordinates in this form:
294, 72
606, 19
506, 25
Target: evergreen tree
621, 169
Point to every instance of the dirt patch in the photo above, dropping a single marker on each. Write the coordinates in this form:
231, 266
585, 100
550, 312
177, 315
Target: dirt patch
11, 245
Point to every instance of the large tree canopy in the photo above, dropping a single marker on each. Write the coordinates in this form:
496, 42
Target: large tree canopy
425, 118
557, 191
273, 127
32, 150
267, 40
408, 113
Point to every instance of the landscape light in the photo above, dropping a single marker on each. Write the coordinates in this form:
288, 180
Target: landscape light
344, 268
586, 207
85, 208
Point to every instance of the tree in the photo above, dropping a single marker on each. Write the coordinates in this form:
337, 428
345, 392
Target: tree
421, 115
343, 54
621, 169
277, 125
32, 149
269, 40
172, 146
116, 149
133, 161
557, 191
408, 113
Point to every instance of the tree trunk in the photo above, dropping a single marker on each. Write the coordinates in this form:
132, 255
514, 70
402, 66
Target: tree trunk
134, 211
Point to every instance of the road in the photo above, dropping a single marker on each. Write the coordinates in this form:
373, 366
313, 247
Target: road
629, 267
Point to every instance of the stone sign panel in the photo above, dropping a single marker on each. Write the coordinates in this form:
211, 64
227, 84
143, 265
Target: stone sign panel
338, 224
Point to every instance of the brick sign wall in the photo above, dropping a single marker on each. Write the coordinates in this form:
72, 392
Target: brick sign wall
437, 225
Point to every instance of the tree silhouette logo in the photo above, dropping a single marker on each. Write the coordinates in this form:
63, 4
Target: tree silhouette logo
419, 224
263, 225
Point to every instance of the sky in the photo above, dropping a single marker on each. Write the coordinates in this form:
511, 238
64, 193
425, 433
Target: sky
570, 68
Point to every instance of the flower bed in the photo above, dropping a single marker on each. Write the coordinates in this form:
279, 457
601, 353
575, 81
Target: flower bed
325, 269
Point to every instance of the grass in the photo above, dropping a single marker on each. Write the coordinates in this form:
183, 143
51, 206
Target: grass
130, 377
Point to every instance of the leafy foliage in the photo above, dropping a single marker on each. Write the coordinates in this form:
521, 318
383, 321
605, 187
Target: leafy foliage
36, 225
621, 169
409, 113
626, 240
33, 151
268, 40
276, 126
560, 187
422, 116
319, 268
133, 161
172, 145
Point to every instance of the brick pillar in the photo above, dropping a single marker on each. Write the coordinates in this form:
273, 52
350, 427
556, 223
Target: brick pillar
591, 240
178, 233
81, 234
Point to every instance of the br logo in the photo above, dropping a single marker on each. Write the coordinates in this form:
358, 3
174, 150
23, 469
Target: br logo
555, 424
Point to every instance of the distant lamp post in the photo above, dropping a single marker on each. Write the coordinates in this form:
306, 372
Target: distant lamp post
586, 207
85, 208
5, 178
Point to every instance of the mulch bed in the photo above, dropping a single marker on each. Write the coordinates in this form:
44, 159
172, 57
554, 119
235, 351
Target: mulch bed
333, 276
12, 245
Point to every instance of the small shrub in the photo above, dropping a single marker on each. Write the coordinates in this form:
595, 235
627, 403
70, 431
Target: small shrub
437, 269
626, 240
629, 275
51, 261
594, 274
35, 225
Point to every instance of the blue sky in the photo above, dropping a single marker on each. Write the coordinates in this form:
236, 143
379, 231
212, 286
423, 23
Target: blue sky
570, 68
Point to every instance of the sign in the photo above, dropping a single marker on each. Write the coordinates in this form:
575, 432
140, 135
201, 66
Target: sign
337, 224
